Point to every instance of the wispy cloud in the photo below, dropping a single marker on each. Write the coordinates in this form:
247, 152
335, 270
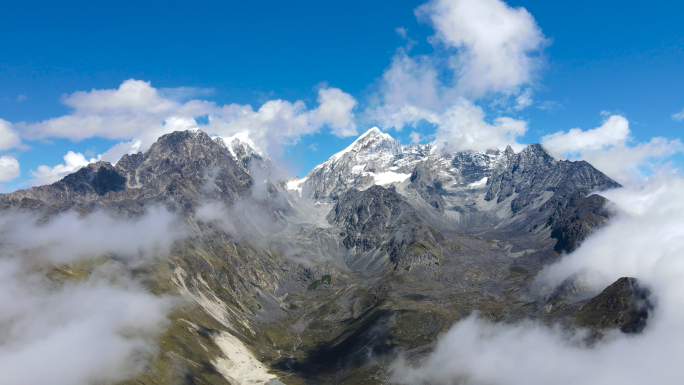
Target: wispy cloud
678, 116
98, 329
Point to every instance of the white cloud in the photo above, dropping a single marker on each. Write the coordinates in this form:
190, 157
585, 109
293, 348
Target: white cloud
68, 238
98, 330
409, 91
524, 100
624, 162
614, 131
9, 168
128, 111
335, 109
608, 148
401, 31
22, 98
415, 137
73, 161
645, 240
139, 114
678, 116
464, 128
8, 136
497, 45
486, 48
550, 106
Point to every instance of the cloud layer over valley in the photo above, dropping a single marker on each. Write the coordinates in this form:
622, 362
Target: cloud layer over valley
63, 325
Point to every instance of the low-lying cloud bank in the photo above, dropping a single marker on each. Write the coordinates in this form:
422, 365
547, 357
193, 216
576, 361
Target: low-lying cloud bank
645, 240
79, 331
101, 329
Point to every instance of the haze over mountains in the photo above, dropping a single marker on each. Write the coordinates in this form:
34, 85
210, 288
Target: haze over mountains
352, 274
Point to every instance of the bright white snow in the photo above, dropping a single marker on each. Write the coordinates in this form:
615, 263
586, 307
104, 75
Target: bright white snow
480, 183
389, 177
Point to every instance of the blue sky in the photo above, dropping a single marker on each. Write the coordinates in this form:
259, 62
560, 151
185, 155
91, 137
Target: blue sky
591, 61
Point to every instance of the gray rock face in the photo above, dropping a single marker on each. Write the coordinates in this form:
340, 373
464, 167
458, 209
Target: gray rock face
178, 170
380, 218
425, 181
576, 218
623, 305
534, 172
249, 159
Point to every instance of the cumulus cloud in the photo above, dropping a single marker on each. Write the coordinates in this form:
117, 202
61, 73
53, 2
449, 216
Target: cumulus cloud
482, 49
138, 113
113, 114
9, 168
73, 161
614, 131
678, 116
410, 91
8, 136
608, 148
645, 240
335, 109
415, 137
497, 45
464, 128
98, 329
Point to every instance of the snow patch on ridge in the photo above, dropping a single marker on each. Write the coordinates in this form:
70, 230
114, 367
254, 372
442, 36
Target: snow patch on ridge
480, 183
372, 131
389, 177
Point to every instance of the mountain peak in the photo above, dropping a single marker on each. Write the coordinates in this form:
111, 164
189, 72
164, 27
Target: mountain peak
374, 133
370, 140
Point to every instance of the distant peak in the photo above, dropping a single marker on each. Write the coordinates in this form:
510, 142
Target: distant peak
374, 134
240, 140
535, 148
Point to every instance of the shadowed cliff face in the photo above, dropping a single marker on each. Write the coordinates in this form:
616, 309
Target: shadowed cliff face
624, 305
398, 243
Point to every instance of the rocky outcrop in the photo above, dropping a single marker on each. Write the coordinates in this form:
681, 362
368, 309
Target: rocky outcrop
533, 172
178, 170
249, 159
425, 181
559, 188
381, 218
624, 305
576, 218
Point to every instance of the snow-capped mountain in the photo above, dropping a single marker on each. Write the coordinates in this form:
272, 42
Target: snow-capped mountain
376, 158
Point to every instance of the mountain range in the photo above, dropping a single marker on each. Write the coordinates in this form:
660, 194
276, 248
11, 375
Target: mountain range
375, 252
